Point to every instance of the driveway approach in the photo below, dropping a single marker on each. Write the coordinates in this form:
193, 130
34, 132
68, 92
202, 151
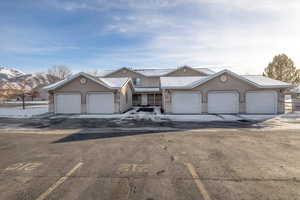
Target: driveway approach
223, 163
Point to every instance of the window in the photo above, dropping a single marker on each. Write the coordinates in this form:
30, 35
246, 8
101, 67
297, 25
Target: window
136, 99
136, 81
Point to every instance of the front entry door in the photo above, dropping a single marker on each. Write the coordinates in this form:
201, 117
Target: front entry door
144, 99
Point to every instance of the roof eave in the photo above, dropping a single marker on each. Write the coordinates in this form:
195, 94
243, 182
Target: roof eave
76, 76
275, 86
176, 87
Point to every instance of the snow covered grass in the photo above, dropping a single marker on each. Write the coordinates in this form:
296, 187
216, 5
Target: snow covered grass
18, 112
26, 102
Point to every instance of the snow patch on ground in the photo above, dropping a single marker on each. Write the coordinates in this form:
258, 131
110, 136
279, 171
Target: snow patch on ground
108, 116
230, 117
195, 118
291, 115
258, 117
133, 114
18, 112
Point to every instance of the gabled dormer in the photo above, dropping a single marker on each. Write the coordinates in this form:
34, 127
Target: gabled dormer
188, 71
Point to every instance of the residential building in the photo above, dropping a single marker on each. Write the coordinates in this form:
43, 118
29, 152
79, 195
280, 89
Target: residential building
184, 90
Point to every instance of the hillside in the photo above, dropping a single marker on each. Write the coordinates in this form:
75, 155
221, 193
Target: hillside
8, 73
14, 79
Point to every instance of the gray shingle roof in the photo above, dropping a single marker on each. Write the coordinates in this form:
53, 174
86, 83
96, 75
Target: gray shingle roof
179, 81
264, 81
114, 82
204, 70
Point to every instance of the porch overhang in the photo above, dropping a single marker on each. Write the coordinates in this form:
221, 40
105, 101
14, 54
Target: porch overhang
147, 90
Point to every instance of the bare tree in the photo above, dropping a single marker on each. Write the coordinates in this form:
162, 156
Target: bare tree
22, 90
60, 71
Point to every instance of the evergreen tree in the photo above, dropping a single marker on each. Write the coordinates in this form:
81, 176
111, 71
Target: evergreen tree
282, 68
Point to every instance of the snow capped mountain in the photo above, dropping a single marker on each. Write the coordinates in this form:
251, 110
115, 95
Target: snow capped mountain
7, 73
15, 79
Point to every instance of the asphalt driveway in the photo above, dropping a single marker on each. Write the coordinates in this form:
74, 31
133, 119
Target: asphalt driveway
196, 163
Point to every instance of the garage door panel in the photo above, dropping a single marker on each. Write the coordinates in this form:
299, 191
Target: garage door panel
223, 102
261, 102
186, 102
100, 103
68, 103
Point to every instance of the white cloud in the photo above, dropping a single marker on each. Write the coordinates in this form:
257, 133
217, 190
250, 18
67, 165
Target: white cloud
22, 40
237, 33
101, 5
241, 34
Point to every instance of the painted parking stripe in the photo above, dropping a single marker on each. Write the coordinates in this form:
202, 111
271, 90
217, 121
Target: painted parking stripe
59, 182
198, 182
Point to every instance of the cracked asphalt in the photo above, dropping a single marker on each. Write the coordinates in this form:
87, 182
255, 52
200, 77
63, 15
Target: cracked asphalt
230, 162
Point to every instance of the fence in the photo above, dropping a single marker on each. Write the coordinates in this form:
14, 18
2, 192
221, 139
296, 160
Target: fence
292, 105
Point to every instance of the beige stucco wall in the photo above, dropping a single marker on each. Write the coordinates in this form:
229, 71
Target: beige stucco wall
75, 86
186, 71
232, 84
125, 105
145, 81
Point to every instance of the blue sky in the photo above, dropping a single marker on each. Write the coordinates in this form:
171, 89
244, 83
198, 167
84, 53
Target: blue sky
100, 34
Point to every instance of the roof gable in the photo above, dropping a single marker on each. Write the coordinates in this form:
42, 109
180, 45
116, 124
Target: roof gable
154, 72
184, 69
110, 84
225, 71
123, 70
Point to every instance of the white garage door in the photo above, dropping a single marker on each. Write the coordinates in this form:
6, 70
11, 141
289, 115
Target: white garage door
223, 102
261, 102
68, 103
186, 102
100, 103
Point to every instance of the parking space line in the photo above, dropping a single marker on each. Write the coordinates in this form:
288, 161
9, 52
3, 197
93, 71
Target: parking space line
59, 182
198, 182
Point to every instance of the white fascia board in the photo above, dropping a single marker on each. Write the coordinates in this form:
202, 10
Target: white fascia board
74, 77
